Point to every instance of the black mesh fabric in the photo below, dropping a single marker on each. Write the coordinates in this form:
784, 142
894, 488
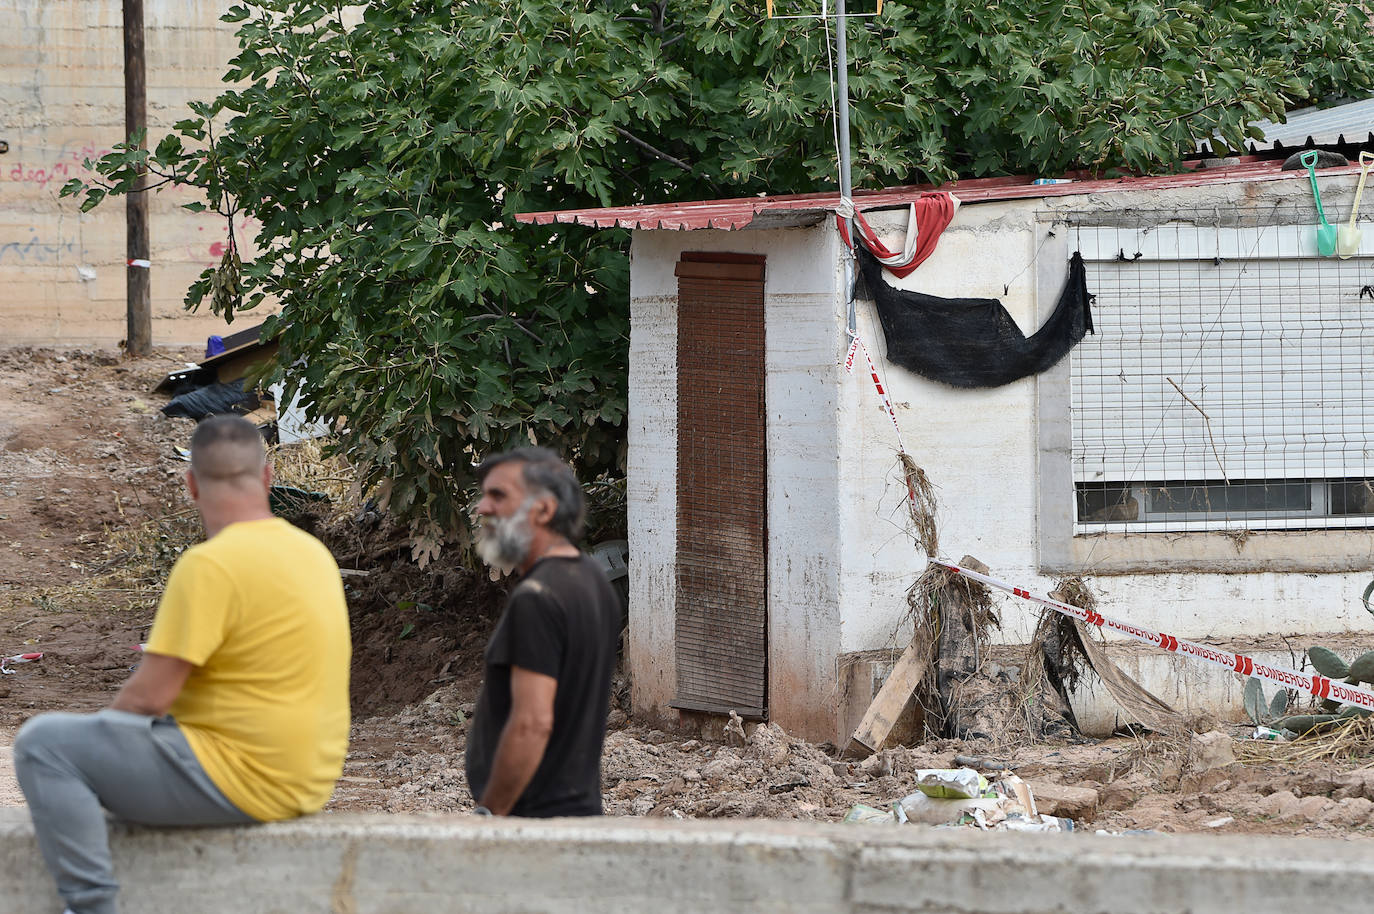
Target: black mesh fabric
973, 342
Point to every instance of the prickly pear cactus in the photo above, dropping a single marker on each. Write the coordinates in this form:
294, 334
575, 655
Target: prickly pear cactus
1259, 710
1362, 670
1327, 662
1254, 700
1305, 723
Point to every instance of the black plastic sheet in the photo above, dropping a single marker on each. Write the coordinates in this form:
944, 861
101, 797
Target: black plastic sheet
212, 400
973, 342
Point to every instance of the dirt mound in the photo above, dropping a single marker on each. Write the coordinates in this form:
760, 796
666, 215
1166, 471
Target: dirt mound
413, 629
93, 515
88, 467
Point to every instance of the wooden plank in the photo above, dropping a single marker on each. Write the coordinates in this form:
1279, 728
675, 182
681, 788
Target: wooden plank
887, 706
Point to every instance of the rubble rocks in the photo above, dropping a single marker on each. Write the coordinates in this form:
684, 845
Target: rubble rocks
1078, 803
723, 767
1212, 749
1354, 811
1122, 792
768, 744
1117, 785
1359, 783
1313, 808
1281, 804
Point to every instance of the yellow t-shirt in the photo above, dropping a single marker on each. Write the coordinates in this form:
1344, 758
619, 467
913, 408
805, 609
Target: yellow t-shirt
259, 610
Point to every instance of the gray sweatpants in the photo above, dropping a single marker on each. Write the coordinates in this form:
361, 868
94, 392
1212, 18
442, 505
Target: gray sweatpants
139, 768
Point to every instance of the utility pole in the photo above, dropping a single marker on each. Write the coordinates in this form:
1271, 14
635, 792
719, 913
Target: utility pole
842, 109
846, 185
841, 99
139, 341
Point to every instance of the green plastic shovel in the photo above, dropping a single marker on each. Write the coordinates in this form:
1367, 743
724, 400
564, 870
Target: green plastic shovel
1326, 232
1348, 241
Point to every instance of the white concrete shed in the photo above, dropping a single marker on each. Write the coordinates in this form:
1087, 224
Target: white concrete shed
1202, 456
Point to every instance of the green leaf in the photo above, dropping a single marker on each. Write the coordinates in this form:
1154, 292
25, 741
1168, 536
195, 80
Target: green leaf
1327, 662
1279, 705
93, 197
1362, 670
1254, 700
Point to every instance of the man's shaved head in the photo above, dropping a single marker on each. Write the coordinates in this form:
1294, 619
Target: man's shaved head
227, 448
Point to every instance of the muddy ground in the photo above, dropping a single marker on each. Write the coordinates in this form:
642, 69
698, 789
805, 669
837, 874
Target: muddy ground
92, 517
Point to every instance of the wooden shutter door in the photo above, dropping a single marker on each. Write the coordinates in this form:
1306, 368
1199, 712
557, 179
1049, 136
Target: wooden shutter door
722, 611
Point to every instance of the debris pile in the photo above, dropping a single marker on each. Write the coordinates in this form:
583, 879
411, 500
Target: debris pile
963, 797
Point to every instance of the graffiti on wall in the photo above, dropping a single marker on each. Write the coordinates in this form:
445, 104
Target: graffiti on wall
68, 163
246, 228
35, 250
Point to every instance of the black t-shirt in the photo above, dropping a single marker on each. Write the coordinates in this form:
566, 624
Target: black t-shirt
562, 620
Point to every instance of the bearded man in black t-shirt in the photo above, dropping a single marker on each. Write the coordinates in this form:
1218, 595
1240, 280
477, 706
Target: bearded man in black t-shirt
534, 748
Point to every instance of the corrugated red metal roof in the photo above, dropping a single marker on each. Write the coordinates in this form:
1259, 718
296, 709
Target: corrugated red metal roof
741, 212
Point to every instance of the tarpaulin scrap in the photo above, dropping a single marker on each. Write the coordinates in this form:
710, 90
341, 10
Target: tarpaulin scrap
973, 342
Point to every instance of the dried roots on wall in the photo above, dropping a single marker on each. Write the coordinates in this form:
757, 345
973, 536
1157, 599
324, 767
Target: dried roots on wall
961, 692
966, 694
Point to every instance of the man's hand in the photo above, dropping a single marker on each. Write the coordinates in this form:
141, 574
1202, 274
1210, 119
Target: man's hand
523, 739
153, 686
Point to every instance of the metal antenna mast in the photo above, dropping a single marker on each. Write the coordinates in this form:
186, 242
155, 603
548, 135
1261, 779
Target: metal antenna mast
842, 133
846, 184
842, 108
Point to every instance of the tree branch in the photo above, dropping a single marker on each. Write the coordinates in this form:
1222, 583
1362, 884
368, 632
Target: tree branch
657, 153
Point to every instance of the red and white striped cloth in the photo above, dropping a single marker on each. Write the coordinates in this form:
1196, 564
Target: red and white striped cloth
930, 213
7, 662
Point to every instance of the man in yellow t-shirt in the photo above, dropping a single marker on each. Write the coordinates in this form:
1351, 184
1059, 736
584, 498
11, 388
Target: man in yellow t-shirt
238, 712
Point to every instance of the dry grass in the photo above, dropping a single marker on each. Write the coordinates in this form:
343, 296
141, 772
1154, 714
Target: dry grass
1034, 691
138, 558
929, 600
1353, 739
1059, 632
305, 466
131, 572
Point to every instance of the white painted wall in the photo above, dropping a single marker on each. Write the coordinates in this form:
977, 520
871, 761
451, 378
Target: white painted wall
841, 558
977, 447
802, 312
981, 449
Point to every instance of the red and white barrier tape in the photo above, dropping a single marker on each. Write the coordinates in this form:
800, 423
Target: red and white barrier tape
856, 343
17, 658
1312, 683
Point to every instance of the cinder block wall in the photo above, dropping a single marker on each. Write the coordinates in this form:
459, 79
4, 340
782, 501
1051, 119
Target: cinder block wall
61, 101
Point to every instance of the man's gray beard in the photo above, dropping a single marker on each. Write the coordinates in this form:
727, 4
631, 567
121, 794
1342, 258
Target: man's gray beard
504, 542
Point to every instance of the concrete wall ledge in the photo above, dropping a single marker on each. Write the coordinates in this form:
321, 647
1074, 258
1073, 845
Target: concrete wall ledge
349, 864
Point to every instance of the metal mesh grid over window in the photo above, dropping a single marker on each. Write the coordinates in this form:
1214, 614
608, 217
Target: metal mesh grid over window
721, 616
1226, 387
